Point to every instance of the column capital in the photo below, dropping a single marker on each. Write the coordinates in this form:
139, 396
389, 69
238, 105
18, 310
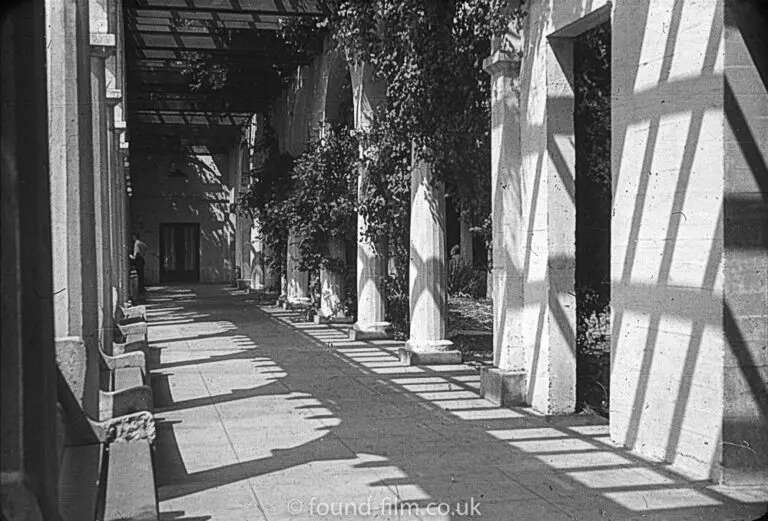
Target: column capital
119, 126
103, 45
504, 63
114, 96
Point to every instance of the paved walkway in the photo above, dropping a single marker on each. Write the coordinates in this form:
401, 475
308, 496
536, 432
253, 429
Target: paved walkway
259, 418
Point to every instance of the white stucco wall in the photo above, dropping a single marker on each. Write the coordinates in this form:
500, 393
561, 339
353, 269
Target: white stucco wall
667, 235
204, 198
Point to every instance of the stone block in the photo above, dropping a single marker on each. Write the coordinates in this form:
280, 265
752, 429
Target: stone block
435, 352
504, 388
371, 331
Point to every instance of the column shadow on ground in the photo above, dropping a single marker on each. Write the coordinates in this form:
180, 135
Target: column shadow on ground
425, 429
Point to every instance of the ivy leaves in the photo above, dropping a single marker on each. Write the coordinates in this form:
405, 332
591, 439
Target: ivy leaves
323, 201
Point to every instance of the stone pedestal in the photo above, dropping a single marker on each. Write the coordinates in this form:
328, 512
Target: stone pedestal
428, 271
504, 388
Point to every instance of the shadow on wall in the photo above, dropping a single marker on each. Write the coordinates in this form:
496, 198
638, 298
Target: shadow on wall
676, 228
185, 186
670, 209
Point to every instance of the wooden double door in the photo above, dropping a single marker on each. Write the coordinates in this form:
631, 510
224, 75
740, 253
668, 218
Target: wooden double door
180, 252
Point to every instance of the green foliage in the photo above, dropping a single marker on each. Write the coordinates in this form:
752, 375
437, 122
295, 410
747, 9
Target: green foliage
593, 217
323, 202
261, 64
466, 280
593, 166
398, 304
313, 195
430, 54
269, 188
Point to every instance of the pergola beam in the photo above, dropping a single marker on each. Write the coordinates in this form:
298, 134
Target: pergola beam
223, 10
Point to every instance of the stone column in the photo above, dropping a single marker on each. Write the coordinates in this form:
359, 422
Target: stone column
102, 45
117, 126
466, 247
428, 271
71, 170
121, 246
29, 461
506, 382
126, 216
297, 282
332, 283
244, 258
371, 258
258, 280
271, 280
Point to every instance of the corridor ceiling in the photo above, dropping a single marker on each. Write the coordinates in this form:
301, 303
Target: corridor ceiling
163, 110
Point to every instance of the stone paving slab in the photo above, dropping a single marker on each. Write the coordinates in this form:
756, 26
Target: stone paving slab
262, 416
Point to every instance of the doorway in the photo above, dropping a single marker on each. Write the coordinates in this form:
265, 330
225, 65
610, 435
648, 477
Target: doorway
592, 129
179, 252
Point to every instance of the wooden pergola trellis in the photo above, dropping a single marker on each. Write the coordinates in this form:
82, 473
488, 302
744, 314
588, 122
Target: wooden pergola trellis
163, 109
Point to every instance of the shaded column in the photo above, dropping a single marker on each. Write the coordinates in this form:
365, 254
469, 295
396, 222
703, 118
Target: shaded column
116, 178
428, 271
271, 280
371, 258
28, 396
466, 247
332, 283
297, 282
73, 235
244, 250
121, 244
116, 126
102, 46
506, 383
745, 243
256, 260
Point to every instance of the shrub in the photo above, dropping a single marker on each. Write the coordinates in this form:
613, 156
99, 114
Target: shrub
465, 280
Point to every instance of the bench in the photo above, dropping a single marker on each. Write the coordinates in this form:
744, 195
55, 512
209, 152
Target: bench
129, 339
72, 359
132, 329
128, 314
106, 478
106, 470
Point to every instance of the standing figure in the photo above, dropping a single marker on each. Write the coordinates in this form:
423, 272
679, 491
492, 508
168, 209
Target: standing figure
138, 257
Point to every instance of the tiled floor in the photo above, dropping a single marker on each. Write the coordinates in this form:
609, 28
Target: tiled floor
260, 418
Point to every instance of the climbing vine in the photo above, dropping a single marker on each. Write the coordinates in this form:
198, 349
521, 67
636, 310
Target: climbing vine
430, 54
323, 202
268, 190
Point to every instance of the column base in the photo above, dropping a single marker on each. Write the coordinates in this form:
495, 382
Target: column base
429, 352
371, 331
320, 319
243, 284
503, 388
297, 303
